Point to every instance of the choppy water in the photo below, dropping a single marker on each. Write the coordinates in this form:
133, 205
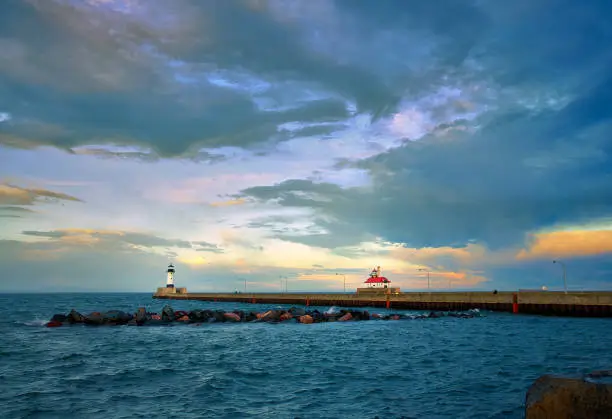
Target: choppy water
434, 368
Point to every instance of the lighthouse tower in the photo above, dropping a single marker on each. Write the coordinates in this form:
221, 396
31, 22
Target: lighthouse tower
170, 278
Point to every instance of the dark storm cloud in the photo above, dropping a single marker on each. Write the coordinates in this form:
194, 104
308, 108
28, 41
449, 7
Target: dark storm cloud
518, 174
200, 156
177, 75
540, 157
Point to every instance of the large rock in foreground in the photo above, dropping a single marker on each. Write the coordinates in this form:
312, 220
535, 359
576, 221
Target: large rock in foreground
551, 397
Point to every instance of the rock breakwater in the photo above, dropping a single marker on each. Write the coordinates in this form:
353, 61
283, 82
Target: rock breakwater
169, 316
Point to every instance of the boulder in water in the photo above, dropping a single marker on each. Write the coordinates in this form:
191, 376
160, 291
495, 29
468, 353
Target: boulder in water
179, 314
167, 314
94, 319
197, 315
219, 316
140, 317
116, 317
270, 315
60, 318
75, 317
232, 317
297, 311
346, 317
553, 397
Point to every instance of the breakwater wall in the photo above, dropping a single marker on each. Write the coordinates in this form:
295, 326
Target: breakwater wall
583, 304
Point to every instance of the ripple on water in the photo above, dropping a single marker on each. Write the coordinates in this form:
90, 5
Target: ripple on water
433, 368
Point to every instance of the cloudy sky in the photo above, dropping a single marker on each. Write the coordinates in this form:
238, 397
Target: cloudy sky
305, 141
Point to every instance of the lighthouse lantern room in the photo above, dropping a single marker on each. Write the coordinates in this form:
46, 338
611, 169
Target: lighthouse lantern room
170, 277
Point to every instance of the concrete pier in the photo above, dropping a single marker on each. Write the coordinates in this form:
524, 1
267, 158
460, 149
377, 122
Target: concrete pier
583, 303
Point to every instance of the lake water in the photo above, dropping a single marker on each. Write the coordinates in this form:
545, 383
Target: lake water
431, 368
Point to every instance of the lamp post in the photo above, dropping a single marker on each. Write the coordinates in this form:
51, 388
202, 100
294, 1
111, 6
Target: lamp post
428, 283
281, 277
343, 281
564, 274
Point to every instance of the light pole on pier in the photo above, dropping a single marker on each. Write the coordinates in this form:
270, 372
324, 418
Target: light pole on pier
343, 281
283, 289
564, 274
428, 282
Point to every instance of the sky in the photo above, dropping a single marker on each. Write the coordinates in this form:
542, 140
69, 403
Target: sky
305, 142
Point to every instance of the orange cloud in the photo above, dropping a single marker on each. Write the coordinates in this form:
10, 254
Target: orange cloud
463, 279
239, 201
193, 261
568, 244
14, 195
445, 279
241, 262
426, 255
80, 239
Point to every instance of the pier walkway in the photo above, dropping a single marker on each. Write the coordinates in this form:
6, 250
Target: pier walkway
583, 303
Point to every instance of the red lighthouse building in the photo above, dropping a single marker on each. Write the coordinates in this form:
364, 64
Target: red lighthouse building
376, 280
377, 284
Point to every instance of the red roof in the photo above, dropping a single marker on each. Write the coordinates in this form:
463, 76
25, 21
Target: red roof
376, 280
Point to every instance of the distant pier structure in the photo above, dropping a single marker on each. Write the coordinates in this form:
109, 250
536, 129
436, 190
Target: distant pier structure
170, 288
378, 292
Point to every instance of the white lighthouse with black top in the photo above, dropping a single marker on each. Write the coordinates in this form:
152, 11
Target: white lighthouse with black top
170, 277
170, 288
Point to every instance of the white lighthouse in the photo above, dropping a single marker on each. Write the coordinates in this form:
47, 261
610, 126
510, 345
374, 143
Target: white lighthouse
170, 277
